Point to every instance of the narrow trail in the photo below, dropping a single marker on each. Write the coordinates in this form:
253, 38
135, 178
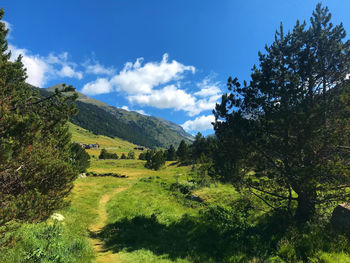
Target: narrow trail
103, 255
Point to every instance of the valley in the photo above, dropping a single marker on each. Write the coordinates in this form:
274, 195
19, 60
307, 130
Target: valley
149, 216
142, 206
265, 178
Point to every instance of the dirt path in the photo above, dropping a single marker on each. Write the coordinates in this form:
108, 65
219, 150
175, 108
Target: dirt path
102, 255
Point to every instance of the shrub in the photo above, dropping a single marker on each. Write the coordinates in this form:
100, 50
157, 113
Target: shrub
155, 160
131, 155
106, 155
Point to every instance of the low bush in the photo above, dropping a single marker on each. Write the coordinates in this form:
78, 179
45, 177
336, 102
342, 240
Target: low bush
106, 155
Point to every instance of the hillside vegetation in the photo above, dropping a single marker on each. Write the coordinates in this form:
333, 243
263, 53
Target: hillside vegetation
113, 145
100, 118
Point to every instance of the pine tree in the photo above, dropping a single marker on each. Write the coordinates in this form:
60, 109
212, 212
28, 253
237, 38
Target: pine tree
36, 171
171, 153
103, 154
282, 135
198, 147
183, 153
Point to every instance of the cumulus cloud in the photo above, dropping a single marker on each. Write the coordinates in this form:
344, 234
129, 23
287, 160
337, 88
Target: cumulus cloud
40, 69
94, 67
99, 86
150, 84
68, 71
172, 97
142, 79
138, 78
165, 98
37, 68
208, 88
200, 123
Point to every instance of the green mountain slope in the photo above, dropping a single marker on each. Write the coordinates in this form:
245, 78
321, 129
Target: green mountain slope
100, 118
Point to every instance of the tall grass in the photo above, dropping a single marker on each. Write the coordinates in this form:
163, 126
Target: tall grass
48, 242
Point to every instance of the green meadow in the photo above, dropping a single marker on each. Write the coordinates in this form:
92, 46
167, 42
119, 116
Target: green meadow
150, 217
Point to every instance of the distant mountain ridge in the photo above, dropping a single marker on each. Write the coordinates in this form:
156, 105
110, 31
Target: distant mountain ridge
101, 118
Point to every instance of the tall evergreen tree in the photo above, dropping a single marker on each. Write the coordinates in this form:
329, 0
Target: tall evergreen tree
183, 153
198, 147
282, 136
171, 153
36, 171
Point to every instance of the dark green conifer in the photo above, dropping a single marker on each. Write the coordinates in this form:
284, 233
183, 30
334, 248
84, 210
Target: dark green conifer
183, 153
36, 171
283, 136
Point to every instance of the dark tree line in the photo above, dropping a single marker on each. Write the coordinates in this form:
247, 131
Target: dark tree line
200, 151
104, 154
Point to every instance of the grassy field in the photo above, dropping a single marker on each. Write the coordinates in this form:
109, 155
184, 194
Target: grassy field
113, 145
150, 216
153, 221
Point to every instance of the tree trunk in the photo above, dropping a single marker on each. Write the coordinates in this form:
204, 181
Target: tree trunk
306, 206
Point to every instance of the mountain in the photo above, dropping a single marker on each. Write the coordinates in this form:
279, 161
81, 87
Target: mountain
101, 118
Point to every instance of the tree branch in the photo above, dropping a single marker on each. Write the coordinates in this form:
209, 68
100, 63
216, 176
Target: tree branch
273, 194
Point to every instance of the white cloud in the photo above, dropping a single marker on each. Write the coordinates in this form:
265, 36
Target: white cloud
142, 84
100, 86
208, 88
138, 78
200, 123
68, 71
165, 98
37, 68
94, 67
40, 69
171, 97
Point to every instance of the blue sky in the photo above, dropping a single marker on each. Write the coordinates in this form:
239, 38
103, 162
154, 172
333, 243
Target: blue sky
164, 58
